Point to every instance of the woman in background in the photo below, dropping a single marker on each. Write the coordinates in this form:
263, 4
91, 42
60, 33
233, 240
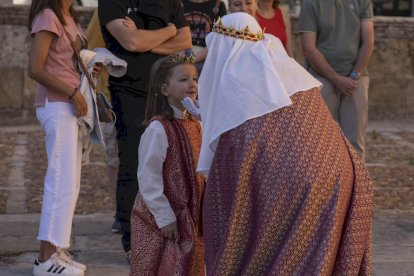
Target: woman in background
275, 20
271, 18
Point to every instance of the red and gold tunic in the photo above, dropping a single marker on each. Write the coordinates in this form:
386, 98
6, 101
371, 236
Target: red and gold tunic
151, 254
287, 195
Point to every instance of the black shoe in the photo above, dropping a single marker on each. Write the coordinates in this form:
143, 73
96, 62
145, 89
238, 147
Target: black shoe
116, 227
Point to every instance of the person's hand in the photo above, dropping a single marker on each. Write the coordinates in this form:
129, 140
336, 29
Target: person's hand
97, 68
170, 231
129, 23
345, 85
172, 28
79, 102
192, 106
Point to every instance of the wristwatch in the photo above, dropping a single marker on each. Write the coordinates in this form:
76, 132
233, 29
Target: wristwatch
355, 75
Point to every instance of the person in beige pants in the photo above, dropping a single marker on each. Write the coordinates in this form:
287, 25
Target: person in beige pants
351, 112
337, 41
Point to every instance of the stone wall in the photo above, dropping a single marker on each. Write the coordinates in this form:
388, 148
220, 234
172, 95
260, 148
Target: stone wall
391, 68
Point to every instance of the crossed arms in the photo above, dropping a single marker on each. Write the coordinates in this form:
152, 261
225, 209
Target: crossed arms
167, 40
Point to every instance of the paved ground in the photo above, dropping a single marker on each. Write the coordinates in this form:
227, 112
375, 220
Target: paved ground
390, 159
93, 243
96, 246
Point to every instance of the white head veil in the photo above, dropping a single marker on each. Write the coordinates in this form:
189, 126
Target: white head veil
244, 79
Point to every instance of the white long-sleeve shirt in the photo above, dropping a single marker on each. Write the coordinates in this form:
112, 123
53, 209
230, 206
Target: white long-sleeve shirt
152, 153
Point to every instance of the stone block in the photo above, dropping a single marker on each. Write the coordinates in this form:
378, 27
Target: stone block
115, 257
11, 87
17, 116
410, 94
29, 91
390, 198
14, 45
98, 242
18, 244
390, 58
14, 14
384, 254
19, 228
393, 268
389, 98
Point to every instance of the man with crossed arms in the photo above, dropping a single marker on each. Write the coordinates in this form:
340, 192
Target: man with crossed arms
159, 28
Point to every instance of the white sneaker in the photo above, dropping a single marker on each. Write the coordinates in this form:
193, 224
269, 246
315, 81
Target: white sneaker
55, 266
67, 257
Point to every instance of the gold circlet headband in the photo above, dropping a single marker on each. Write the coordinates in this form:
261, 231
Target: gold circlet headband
189, 57
245, 33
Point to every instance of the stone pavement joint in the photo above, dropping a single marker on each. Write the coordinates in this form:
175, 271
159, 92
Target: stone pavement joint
390, 126
23, 128
16, 202
398, 139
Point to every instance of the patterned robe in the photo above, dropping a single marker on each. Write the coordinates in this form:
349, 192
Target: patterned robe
151, 254
287, 195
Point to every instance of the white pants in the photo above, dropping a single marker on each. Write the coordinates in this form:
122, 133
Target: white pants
62, 181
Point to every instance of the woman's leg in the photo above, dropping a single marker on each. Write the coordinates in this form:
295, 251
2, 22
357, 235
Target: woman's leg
62, 181
46, 250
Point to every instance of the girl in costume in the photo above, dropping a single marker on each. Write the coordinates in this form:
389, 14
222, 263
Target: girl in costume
166, 217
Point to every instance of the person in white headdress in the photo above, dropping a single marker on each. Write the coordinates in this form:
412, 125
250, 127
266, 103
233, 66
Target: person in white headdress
286, 194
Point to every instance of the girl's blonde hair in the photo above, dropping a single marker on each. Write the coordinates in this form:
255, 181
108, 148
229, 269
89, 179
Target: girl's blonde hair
157, 103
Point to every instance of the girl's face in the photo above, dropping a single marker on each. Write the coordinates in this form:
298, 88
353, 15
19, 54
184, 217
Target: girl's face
181, 83
249, 6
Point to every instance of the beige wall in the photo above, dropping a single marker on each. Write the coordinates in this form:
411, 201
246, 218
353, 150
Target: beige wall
391, 69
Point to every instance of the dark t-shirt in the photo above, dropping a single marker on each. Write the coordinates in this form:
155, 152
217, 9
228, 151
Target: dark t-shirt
200, 17
147, 14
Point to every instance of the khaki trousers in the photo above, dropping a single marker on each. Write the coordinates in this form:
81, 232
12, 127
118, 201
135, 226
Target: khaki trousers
351, 112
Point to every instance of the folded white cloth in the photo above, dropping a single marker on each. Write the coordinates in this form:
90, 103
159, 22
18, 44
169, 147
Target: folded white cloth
89, 125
